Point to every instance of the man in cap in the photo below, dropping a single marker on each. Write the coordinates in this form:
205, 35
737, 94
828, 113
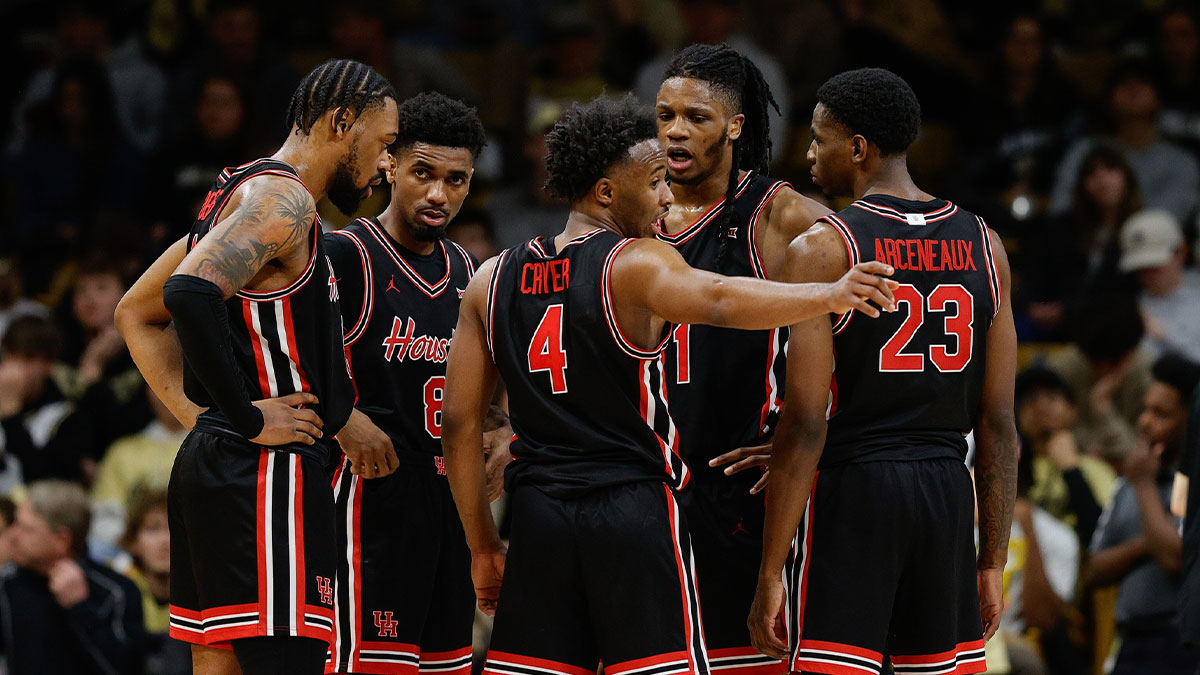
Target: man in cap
1153, 250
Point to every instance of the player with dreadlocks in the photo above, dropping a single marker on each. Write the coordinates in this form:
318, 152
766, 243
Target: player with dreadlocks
725, 384
237, 328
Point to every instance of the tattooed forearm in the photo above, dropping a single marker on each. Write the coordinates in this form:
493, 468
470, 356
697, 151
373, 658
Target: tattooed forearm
272, 221
996, 486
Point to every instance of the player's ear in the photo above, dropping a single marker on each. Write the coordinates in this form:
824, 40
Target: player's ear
393, 165
734, 129
603, 192
341, 120
858, 149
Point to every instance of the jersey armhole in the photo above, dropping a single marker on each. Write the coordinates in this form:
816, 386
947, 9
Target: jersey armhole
489, 318
993, 275
610, 314
368, 298
756, 263
852, 253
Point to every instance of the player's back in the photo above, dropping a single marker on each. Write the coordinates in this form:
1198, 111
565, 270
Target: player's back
284, 341
908, 384
588, 407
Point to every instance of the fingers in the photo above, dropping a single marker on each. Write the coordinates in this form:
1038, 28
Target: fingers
862, 305
762, 483
748, 463
299, 398
740, 453
301, 437
391, 461
765, 641
875, 267
310, 416
308, 428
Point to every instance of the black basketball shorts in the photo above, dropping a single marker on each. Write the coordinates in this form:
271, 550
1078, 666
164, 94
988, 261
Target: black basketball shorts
404, 600
250, 543
607, 576
883, 569
726, 524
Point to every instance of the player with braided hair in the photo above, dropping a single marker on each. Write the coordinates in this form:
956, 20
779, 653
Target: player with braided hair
248, 301
725, 384
576, 325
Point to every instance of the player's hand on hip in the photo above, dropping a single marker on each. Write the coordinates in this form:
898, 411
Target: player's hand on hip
862, 285
746, 458
487, 572
767, 632
286, 421
369, 450
990, 582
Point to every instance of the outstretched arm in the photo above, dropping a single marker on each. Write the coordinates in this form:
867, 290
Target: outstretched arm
658, 279
815, 256
470, 381
996, 454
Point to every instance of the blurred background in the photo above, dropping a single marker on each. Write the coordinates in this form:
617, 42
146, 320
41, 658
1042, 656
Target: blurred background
1071, 126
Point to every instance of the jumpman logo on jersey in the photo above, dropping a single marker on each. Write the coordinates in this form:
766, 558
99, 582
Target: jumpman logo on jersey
333, 289
391, 285
739, 529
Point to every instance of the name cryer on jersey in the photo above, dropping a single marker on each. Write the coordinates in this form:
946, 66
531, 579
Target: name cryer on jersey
926, 255
404, 343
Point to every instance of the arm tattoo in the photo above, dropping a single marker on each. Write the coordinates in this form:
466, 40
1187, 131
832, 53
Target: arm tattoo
996, 483
264, 227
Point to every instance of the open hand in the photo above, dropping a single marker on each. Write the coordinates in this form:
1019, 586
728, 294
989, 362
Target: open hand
746, 458
862, 285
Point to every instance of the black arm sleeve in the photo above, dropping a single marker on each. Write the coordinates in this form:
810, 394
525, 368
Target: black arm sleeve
1082, 503
202, 322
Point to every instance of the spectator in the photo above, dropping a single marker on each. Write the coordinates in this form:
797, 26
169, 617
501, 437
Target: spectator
1076, 253
148, 541
473, 230
138, 461
1066, 483
34, 443
1108, 373
1185, 503
1153, 250
1177, 52
569, 67
525, 210
713, 22
184, 170
1027, 113
1167, 174
13, 303
139, 86
236, 47
74, 140
61, 612
1138, 544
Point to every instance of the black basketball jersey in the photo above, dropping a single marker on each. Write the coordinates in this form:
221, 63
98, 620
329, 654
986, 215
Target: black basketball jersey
400, 310
724, 384
588, 408
284, 341
908, 384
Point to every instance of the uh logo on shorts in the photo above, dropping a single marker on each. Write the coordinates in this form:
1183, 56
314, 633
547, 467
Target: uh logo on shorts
385, 625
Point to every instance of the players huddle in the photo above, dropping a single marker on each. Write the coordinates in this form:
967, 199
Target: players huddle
802, 504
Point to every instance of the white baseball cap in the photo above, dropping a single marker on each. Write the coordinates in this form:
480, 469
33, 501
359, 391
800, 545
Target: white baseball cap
1149, 238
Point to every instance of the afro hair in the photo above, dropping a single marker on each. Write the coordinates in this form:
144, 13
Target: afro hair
590, 139
875, 103
436, 119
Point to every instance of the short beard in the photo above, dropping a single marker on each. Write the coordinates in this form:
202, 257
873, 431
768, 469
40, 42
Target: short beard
343, 193
426, 234
711, 153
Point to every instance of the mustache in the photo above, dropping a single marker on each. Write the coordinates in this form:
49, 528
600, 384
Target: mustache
436, 209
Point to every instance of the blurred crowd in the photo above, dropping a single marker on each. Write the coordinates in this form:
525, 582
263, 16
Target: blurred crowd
1072, 127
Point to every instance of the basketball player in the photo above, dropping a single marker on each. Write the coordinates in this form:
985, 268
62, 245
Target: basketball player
404, 596
254, 305
885, 563
725, 385
576, 325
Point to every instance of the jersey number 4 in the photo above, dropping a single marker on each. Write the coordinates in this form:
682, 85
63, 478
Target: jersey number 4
546, 349
960, 325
